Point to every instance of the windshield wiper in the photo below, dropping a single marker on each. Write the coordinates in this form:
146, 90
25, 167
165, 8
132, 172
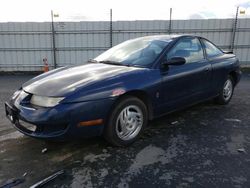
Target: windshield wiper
112, 63
92, 61
107, 62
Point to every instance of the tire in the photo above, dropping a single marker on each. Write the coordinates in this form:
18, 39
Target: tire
129, 114
226, 92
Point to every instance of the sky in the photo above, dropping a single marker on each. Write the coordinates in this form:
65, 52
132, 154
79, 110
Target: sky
98, 10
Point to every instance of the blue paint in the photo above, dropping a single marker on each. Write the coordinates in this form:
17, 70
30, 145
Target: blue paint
88, 91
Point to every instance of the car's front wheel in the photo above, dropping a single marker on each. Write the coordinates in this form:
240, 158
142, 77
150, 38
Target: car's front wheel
126, 122
226, 92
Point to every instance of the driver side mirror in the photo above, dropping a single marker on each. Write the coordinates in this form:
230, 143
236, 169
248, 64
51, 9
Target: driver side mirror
174, 61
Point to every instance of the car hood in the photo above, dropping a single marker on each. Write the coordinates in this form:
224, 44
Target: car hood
64, 81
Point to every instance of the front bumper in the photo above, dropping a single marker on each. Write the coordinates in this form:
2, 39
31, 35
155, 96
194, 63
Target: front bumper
60, 122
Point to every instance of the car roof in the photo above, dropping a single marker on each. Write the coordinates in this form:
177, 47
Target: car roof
165, 38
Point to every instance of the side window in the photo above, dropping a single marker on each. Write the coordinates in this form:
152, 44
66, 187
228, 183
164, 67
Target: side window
211, 50
189, 48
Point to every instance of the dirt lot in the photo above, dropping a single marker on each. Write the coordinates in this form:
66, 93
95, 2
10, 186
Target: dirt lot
203, 146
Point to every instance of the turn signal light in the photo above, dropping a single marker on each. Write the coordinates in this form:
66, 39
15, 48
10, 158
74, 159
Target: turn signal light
90, 123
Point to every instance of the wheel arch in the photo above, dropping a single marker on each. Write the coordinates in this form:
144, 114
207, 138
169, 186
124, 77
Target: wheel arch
234, 75
143, 96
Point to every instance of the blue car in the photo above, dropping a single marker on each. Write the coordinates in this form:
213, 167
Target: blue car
118, 92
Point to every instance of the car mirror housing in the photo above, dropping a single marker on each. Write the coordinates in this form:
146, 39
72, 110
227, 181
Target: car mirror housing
174, 61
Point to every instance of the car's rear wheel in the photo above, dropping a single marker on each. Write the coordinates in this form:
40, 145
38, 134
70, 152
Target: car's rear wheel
226, 92
126, 122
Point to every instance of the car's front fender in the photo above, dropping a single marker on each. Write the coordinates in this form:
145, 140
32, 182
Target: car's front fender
145, 80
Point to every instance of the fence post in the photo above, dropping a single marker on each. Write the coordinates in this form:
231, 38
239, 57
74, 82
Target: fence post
234, 30
170, 21
53, 39
111, 29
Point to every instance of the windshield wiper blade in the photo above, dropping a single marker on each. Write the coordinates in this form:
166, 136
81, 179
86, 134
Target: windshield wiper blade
92, 61
112, 63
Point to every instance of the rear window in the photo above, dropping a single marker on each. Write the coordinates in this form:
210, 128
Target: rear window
211, 50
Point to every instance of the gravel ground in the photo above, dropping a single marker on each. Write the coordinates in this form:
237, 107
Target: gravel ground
206, 145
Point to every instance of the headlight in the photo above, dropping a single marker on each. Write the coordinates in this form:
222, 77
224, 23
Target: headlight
45, 101
18, 96
14, 96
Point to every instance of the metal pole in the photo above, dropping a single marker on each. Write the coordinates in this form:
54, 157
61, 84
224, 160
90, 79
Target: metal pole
111, 30
53, 39
170, 21
234, 30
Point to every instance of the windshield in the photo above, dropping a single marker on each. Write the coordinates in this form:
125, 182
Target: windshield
136, 52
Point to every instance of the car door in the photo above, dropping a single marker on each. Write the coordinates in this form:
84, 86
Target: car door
218, 62
185, 84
